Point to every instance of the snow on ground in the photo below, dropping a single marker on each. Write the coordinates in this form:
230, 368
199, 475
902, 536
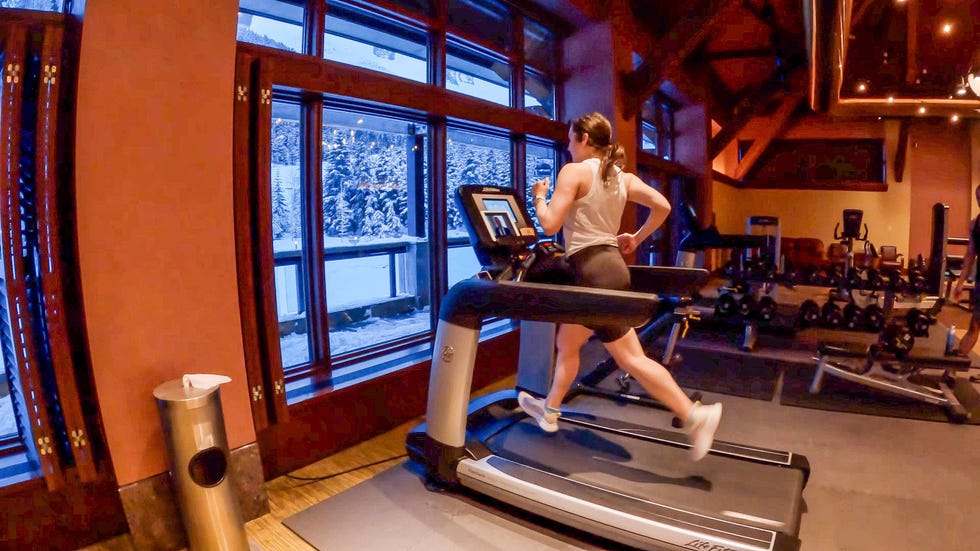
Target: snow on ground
7, 424
295, 347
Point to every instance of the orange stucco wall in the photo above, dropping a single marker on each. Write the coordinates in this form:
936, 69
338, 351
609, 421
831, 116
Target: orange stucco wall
155, 218
939, 158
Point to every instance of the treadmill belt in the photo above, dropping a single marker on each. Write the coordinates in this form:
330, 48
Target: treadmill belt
759, 495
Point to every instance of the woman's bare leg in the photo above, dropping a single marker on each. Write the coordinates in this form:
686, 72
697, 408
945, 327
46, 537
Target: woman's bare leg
969, 340
630, 357
569, 342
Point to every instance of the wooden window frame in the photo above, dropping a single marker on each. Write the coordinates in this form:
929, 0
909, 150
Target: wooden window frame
73, 498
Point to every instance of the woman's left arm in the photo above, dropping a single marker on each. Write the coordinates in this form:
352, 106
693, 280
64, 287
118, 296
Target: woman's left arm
637, 191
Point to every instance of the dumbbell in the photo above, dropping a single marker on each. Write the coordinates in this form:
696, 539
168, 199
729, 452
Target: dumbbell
874, 317
853, 279
917, 282
918, 322
809, 313
726, 305
812, 277
874, 279
729, 269
895, 282
853, 316
747, 305
833, 278
897, 339
766, 309
830, 315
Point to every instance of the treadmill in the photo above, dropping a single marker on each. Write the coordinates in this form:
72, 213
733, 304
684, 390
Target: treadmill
604, 471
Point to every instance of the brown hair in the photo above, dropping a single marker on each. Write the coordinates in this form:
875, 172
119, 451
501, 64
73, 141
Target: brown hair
600, 137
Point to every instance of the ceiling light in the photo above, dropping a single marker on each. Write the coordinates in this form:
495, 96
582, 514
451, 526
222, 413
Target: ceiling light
862, 87
955, 118
891, 99
947, 28
922, 110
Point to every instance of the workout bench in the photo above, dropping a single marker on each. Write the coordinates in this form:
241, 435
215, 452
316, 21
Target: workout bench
868, 366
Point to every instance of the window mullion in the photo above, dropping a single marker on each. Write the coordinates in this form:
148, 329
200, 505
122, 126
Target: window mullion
437, 46
275, 388
313, 30
517, 61
518, 152
437, 219
245, 245
315, 265
50, 252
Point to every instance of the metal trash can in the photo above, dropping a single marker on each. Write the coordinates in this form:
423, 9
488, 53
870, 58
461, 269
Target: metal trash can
198, 456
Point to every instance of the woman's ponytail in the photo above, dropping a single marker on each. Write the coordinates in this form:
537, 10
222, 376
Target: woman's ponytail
613, 156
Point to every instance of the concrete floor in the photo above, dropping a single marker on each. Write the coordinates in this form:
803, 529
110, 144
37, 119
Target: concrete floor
877, 483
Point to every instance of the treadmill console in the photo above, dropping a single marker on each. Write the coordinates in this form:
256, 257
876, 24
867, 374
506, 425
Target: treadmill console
500, 229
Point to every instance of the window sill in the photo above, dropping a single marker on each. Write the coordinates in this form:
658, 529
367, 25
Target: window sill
348, 376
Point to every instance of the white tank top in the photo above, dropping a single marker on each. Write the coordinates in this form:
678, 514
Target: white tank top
595, 218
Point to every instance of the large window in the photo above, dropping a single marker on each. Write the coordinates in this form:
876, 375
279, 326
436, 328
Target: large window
476, 74
357, 38
375, 256
657, 127
362, 170
271, 23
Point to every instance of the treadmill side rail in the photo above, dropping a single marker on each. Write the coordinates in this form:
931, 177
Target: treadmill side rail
585, 506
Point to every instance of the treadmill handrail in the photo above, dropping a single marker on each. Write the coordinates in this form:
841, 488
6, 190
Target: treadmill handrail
471, 301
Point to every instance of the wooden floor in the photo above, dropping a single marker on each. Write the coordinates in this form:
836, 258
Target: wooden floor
288, 496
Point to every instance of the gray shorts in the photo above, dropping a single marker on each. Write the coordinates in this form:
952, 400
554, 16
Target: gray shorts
602, 266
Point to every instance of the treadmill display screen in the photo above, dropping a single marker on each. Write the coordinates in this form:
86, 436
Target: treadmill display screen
500, 217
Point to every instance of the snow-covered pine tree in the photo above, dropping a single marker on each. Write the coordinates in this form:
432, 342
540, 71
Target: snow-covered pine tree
280, 211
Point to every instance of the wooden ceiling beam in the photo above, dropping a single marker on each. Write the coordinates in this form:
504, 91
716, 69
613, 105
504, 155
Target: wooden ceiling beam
860, 13
674, 47
765, 13
748, 107
780, 120
902, 147
912, 44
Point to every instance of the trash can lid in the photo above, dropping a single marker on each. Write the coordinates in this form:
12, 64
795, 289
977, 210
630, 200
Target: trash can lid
175, 391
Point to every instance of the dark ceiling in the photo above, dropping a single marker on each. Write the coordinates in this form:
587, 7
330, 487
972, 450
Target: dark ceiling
928, 62
757, 51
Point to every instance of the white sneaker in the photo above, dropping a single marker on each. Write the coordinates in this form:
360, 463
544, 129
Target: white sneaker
700, 429
547, 420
